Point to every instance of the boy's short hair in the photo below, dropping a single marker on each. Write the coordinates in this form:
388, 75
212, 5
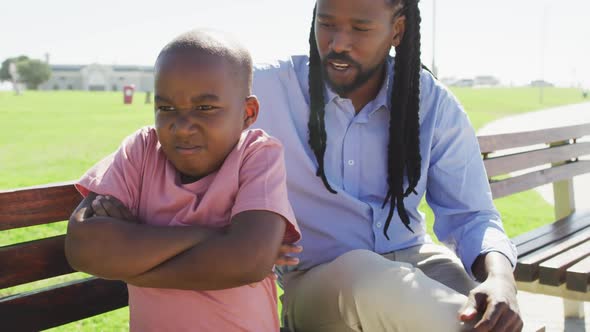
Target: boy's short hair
216, 44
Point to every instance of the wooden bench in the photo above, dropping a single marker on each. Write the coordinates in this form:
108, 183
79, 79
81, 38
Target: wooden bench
44, 258
553, 259
26, 262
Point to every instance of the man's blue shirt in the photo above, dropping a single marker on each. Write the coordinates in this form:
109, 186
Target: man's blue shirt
453, 175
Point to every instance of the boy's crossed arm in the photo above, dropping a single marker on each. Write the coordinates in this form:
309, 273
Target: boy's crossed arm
103, 240
245, 254
114, 246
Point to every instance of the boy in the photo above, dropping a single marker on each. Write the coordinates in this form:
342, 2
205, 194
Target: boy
197, 168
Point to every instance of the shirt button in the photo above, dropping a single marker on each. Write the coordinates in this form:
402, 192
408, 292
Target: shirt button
351, 162
378, 225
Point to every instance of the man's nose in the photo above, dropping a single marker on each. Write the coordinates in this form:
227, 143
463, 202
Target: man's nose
341, 42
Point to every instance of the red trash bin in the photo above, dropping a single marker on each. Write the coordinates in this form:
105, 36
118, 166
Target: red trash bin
128, 93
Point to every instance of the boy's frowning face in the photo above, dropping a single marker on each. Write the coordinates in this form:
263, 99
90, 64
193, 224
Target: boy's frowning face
200, 109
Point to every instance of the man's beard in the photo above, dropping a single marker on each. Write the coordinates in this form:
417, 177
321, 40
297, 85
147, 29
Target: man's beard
343, 90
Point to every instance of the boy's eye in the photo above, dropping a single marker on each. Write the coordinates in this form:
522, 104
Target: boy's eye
166, 108
361, 29
205, 108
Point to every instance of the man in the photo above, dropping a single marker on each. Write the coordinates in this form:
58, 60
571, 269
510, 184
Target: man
366, 136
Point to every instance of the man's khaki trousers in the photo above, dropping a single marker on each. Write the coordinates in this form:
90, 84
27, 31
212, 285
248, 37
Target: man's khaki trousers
420, 288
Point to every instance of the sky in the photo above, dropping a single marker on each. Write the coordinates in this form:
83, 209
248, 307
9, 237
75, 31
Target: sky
514, 40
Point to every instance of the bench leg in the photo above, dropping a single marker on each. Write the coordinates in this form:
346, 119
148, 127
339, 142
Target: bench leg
573, 309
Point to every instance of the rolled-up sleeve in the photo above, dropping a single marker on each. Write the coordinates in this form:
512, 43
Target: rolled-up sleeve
263, 184
458, 190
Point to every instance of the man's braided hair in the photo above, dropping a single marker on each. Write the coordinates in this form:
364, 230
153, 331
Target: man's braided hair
404, 149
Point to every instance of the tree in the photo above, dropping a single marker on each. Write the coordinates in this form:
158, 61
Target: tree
4, 74
33, 72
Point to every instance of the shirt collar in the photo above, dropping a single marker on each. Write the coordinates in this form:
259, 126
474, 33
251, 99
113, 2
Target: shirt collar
329, 94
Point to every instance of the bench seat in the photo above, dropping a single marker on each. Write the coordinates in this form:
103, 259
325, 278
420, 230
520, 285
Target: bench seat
555, 253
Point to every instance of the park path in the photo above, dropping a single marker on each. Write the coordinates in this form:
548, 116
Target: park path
541, 309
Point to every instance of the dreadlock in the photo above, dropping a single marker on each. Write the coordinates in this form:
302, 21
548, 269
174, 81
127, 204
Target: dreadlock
404, 146
316, 125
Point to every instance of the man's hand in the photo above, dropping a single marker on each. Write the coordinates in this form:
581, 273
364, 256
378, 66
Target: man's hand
284, 258
108, 206
494, 300
285, 251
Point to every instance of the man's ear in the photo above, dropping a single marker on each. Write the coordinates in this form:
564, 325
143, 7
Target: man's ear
399, 28
251, 108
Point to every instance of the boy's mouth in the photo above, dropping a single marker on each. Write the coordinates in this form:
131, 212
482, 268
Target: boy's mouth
188, 149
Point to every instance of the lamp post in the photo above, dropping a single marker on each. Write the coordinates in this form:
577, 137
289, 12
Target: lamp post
14, 76
542, 83
434, 69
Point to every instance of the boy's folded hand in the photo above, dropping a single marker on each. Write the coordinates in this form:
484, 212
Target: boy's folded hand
108, 206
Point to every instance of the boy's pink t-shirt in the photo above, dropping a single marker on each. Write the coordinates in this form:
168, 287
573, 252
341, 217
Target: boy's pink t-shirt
251, 178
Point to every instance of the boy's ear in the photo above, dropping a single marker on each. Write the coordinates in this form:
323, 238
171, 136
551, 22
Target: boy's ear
251, 108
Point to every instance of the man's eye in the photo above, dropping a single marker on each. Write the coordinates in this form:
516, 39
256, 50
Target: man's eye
326, 25
166, 108
361, 29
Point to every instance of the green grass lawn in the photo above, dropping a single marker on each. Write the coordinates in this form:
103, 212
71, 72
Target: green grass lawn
488, 104
55, 136
527, 210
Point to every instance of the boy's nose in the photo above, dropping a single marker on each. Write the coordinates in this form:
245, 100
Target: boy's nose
184, 126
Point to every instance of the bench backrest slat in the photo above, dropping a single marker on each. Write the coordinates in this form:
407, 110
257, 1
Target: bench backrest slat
31, 261
534, 179
492, 143
60, 305
524, 160
38, 205
559, 151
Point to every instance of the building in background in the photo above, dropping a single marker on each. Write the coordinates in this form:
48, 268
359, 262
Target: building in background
541, 84
486, 81
482, 81
96, 77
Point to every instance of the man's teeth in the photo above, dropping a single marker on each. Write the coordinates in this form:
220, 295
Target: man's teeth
340, 65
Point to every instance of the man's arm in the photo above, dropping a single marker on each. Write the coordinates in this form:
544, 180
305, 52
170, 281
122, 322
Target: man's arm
115, 249
244, 254
459, 194
492, 264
